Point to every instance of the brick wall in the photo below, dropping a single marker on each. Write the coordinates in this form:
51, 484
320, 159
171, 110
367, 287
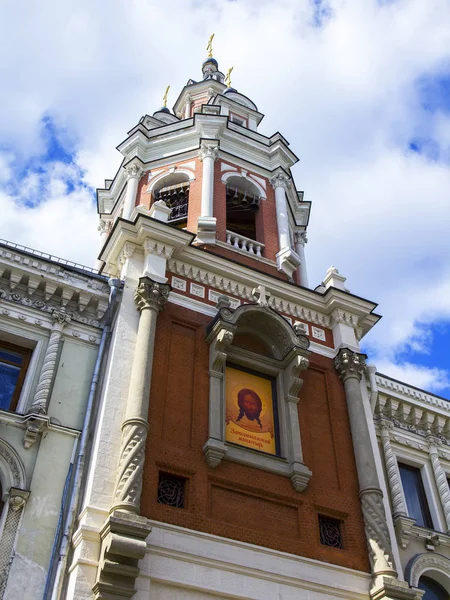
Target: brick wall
233, 500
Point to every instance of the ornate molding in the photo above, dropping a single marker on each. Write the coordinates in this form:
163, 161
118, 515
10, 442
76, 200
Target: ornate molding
280, 180
150, 294
418, 565
208, 150
16, 472
126, 253
157, 248
349, 364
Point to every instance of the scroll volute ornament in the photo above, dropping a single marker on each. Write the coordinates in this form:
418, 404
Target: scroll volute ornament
349, 364
150, 294
218, 348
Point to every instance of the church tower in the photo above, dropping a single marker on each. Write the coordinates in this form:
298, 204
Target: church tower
234, 455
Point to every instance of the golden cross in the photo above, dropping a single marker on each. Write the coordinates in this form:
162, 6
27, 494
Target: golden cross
165, 95
228, 77
209, 46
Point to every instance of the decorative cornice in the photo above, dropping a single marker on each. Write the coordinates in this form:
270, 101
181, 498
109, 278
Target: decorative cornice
150, 294
158, 248
126, 252
349, 364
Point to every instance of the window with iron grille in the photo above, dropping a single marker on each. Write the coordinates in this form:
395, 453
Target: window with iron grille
330, 532
171, 490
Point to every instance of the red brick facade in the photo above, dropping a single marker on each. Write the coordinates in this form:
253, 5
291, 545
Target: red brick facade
236, 501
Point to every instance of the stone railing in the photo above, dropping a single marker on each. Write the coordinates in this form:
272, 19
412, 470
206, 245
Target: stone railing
240, 242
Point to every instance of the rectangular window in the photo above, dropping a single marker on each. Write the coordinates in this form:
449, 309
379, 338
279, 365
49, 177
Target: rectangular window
416, 501
13, 367
242, 121
171, 490
251, 410
330, 532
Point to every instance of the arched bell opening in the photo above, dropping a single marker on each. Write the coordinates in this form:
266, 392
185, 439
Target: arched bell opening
173, 189
243, 200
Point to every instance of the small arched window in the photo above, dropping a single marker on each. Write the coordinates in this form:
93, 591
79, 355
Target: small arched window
174, 191
433, 590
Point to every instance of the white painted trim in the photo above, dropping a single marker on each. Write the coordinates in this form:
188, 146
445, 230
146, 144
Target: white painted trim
192, 304
179, 557
25, 394
167, 173
266, 261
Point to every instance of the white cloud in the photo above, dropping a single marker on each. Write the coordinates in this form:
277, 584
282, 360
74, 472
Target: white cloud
416, 375
345, 95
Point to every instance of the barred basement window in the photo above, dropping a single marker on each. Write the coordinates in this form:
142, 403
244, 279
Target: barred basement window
330, 532
171, 490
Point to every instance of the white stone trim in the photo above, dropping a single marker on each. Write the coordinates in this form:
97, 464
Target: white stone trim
219, 566
167, 172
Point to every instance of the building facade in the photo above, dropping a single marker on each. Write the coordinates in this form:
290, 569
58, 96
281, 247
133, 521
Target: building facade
236, 444
50, 331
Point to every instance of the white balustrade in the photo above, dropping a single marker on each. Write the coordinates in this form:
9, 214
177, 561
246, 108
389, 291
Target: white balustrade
240, 242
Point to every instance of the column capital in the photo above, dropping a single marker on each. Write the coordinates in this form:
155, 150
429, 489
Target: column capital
151, 294
104, 226
209, 149
134, 171
280, 180
300, 237
60, 318
349, 364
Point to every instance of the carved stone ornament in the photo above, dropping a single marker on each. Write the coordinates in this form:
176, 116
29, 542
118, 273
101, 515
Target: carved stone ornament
150, 294
134, 171
404, 530
131, 465
261, 296
377, 533
35, 426
16, 502
208, 150
349, 364
418, 565
300, 237
280, 180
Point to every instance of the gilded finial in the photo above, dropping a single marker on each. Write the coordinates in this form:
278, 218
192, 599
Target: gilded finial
165, 96
228, 77
209, 49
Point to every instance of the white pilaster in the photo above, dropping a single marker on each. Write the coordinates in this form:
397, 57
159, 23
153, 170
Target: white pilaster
187, 107
300, 241
393, 474
134, 173
287, 259
206, 229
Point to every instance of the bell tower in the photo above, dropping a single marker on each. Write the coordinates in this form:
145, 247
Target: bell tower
221, 178
234, 453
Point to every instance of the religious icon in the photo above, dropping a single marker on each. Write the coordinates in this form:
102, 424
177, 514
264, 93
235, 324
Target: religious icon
250, 415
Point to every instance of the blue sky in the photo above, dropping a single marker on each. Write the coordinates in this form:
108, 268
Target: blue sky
360, 89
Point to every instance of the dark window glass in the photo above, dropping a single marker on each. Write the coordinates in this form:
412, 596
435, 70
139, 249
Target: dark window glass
171, 490
330, 532
13, 366
416, 500
433, 590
